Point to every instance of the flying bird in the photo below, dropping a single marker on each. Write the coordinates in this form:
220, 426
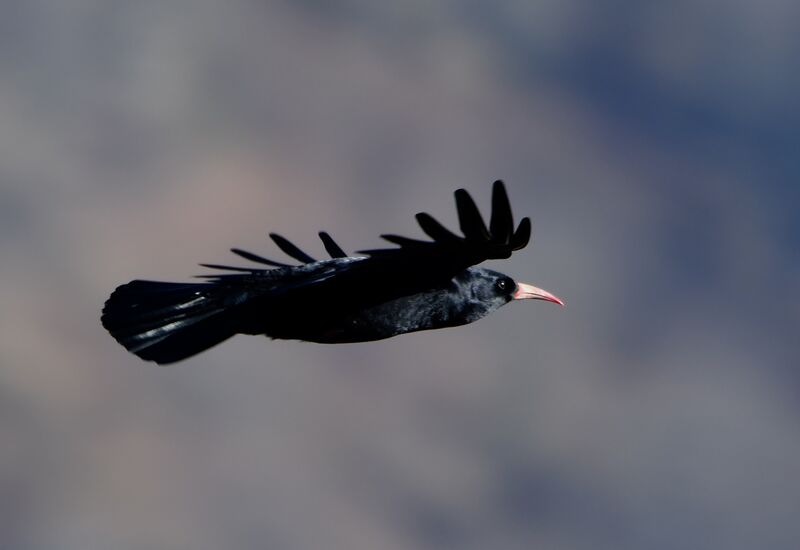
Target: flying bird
417, 285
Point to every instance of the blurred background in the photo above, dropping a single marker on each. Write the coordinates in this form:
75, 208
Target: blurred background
654, 145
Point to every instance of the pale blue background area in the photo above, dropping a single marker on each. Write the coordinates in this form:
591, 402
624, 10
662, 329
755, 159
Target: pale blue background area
654, 145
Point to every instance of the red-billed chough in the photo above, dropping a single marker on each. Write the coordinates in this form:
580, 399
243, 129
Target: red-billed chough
420, 285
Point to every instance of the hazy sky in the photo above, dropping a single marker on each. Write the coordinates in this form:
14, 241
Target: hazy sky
655, 147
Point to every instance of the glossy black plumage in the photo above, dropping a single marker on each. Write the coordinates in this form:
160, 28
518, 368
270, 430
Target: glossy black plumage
418, 285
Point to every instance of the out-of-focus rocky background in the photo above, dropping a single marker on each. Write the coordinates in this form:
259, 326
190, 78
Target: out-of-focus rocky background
655, 146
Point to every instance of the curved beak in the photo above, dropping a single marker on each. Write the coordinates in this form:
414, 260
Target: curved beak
530, 292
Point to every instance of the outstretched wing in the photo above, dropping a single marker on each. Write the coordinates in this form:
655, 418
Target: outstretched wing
409, 267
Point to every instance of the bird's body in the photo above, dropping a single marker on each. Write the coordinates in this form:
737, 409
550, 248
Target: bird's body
421, 285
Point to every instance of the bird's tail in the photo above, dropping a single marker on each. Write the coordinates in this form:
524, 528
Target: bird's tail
167, 322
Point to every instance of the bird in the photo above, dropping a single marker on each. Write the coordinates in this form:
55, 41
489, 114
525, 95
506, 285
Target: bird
376, 294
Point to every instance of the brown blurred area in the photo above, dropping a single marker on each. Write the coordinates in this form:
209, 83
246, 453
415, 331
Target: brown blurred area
654, 147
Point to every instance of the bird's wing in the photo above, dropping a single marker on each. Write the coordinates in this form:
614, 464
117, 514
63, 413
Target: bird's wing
406, 268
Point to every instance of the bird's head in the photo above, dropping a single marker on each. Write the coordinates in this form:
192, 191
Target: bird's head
481, 291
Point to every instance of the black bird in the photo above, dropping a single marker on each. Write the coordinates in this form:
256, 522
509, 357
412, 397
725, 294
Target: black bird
420, 285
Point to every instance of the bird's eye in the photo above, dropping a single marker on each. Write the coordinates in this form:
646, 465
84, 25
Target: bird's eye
502, 284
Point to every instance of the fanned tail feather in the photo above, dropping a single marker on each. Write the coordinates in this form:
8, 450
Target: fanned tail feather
167, 322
